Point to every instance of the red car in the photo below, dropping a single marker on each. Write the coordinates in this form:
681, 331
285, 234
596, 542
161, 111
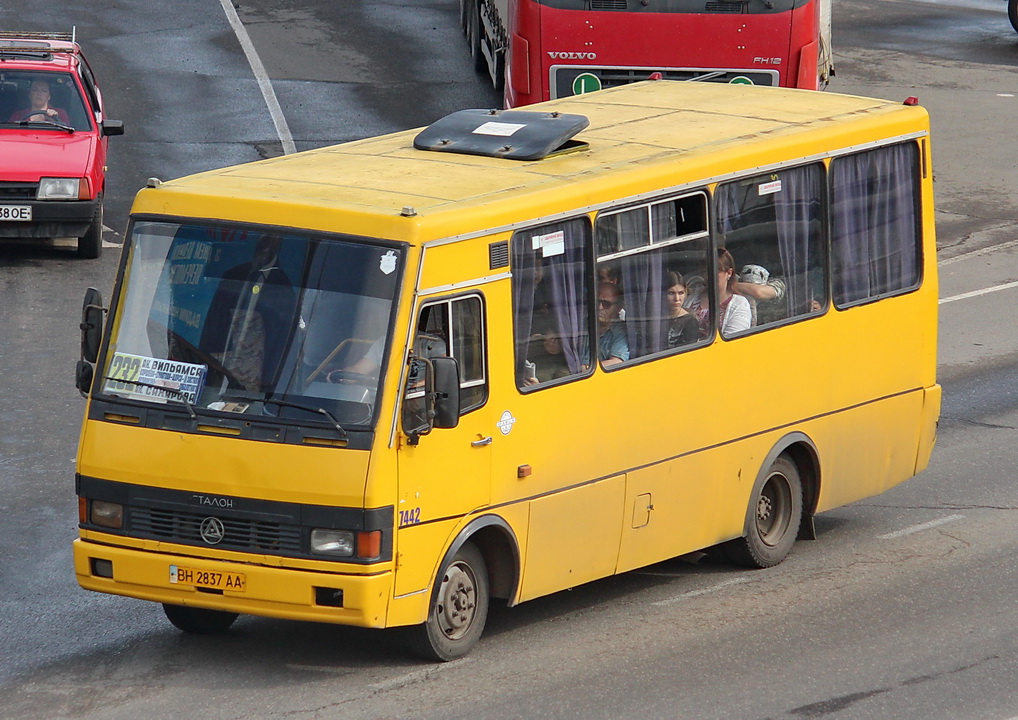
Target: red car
53, 136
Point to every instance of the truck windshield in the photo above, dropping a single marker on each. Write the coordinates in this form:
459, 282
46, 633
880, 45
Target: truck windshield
254, 321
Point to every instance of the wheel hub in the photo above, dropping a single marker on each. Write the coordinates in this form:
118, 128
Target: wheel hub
457, 602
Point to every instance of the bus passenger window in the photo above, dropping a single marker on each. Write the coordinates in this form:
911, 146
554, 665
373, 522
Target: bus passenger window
772, 225
656, 255
551, 301
875, 241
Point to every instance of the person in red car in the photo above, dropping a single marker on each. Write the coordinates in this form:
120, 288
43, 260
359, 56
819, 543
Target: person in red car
39, 110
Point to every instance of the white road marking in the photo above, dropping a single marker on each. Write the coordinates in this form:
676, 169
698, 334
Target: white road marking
704, 591
920, 528
264, 83
977, 293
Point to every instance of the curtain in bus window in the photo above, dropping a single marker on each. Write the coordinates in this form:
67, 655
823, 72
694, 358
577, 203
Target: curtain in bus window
642, 298
874, 219
797, 207
774, 221
550, 289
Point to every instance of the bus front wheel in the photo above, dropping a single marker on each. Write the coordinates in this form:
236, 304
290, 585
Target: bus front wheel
458, 610
1012, 13
199, 620
775, 514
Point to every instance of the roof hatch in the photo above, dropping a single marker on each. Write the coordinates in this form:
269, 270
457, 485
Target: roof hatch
512, 134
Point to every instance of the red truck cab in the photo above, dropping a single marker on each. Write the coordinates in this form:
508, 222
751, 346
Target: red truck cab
53, 138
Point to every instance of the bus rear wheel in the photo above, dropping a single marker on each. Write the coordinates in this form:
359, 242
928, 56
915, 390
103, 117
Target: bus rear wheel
776, 511
199, 621
1012, 13
458, 610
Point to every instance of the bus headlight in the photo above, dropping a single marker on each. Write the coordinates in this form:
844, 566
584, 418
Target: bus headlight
62, 189
332, 542
107, 514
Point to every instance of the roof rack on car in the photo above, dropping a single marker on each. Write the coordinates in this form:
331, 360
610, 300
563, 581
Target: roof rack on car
12, 40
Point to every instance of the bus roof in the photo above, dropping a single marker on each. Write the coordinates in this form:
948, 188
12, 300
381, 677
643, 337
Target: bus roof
641, 138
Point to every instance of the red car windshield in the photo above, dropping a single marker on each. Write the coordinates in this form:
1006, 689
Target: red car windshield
41, 99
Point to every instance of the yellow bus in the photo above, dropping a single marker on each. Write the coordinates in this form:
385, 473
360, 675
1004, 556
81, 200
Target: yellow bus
358, 384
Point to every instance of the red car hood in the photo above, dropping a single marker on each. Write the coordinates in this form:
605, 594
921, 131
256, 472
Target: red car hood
27, 156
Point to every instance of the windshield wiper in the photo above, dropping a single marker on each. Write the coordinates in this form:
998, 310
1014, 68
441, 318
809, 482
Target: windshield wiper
323, 411
172, 393
55, 123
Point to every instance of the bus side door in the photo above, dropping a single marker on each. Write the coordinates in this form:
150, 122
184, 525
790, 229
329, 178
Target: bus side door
444, 474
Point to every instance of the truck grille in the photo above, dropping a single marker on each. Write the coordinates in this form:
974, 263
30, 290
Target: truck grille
563, 76
725, 7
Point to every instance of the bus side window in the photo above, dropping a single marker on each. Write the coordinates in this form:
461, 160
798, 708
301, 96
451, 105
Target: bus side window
875, 241
551, 302
658, 256
772, 225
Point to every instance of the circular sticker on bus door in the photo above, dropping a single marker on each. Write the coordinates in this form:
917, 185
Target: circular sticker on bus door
586, 83
740, 80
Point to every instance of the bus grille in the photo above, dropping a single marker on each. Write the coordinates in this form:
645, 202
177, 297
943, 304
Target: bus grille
18, 191
243, 535
609, 4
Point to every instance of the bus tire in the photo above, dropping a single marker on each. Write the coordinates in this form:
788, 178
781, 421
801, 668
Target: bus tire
199, 621
776, 511
90, 245
458, 611
1012, 13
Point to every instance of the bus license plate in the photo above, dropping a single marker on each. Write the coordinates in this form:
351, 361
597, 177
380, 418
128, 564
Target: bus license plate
16, 213
180, 575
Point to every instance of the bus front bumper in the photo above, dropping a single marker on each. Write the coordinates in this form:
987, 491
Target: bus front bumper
360, 600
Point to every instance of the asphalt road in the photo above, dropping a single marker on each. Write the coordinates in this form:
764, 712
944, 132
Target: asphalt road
902, 608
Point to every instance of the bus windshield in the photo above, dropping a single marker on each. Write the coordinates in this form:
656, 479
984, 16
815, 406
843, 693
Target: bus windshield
255, 321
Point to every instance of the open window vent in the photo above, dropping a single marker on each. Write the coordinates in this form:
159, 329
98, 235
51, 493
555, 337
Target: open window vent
511, 134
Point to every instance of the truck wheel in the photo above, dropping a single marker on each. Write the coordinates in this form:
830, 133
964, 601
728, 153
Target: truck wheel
199, 620
1012, 13
459, 609
776, 508
90, 245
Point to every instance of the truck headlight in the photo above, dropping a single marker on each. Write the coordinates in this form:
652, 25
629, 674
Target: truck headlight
62, 189
332, 542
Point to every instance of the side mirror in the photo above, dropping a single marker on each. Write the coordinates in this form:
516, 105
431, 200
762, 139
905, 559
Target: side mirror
419, 399
447, 392
113, 127
91, 325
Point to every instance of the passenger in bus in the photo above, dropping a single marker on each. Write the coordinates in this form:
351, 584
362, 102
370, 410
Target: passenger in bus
39, 109
547, 356
612, 341
733, 310
681, 327
763, 291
